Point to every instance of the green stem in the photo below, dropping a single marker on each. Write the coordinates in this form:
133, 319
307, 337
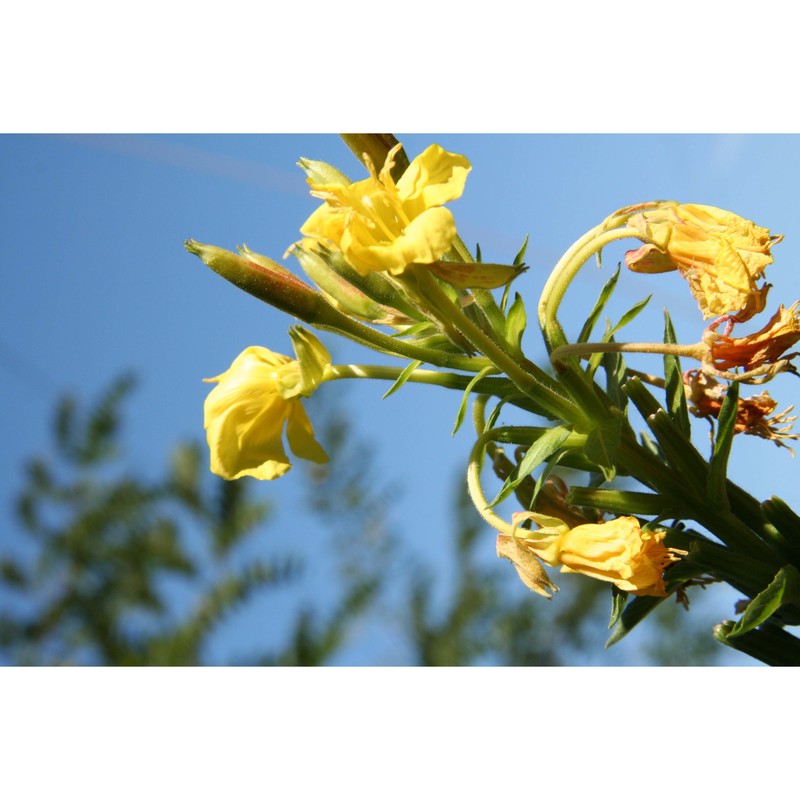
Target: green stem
566, 270
696, 351
336, 322
533, 382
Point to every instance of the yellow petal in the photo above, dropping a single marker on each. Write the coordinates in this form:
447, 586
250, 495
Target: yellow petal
433, 178
301, 436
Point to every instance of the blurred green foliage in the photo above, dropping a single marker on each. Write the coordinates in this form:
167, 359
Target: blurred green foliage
110, 568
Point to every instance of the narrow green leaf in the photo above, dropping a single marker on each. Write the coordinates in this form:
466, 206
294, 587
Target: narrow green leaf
543, 448
402, 378
715, 485
676, 395
785, 588
630, 315
478, 258
549, 467
633, 614
619, 598
594, 315
616, 375
462, 409
521, 254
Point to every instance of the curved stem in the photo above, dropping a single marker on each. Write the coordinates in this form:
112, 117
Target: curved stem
476, 490
564, 272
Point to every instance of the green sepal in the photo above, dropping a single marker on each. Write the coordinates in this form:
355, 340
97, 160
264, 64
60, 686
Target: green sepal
462, 409
402, 378
312, 358
676, 394
515, 324
619, 599
320, 172
784, 589
542, 449
634, 613
594, 315
717, 474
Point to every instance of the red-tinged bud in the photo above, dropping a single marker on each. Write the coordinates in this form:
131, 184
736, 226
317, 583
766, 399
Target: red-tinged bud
273, 284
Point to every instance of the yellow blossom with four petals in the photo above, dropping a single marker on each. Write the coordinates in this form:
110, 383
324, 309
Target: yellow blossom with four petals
383, 226
247, 411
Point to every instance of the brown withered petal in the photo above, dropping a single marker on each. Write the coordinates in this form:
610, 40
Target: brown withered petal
765, 346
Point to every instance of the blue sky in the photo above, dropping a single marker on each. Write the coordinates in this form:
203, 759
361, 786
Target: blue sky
97, 280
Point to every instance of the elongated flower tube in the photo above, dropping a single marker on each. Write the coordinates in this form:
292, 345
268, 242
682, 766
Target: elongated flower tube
255, 399
722, 255
383, 226
617, 551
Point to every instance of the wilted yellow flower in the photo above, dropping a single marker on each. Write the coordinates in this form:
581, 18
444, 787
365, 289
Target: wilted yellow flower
756, 349
382, 226
720, 254
706, 396
617, 551
245, 416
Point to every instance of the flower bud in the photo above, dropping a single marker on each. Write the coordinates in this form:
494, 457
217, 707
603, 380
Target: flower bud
264, 279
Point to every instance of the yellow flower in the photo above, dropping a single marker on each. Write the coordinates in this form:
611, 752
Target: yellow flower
246, 412
720, 254
382, 226
617, 551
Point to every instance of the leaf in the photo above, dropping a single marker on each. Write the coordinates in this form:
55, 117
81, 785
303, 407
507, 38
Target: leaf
521, 254
676, 395
462, 409
594, 315
619, 598
715, 485
785, 588
402, 378
544, 447
602, 445
630, 315
549, 467
633, 614
474, 276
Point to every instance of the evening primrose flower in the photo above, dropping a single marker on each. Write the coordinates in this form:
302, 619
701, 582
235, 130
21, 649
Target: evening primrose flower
380, 225
617, 551
245, 416
722, 255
